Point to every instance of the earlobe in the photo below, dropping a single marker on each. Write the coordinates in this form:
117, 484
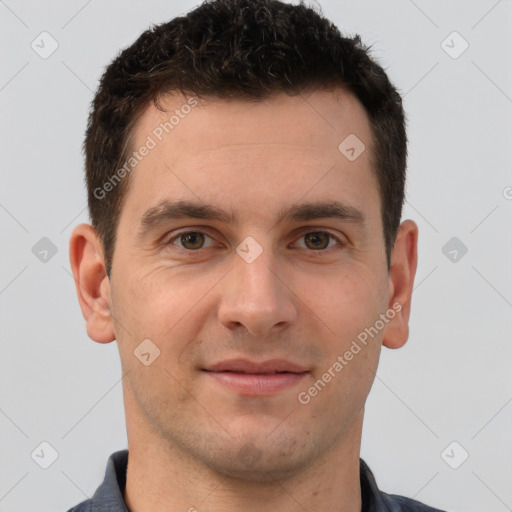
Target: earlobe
91, 282
404, 261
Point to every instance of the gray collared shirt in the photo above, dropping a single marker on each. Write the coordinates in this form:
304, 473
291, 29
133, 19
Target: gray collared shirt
109, 495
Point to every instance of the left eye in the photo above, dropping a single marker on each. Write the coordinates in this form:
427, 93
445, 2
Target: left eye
314, 240
318, 239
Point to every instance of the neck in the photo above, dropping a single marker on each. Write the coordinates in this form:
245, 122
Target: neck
163, 477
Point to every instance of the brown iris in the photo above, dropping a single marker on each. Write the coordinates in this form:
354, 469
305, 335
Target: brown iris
317, 237
194, 238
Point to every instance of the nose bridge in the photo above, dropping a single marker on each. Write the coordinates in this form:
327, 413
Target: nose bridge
255, 295
259, 277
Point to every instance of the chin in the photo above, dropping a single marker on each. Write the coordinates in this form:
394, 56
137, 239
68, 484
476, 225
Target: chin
262, 461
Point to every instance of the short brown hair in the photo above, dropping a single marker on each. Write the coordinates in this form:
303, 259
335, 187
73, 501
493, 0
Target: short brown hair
246, 49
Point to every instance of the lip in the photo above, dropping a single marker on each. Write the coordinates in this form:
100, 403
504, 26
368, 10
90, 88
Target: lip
264, 367
251, 378
256, 384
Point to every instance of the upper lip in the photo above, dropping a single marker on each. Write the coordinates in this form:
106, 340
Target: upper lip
246, 366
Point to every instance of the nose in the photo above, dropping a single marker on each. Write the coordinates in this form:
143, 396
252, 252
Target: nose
258, 296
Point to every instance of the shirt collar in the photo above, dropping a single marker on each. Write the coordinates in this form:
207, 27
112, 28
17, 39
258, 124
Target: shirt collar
109, 495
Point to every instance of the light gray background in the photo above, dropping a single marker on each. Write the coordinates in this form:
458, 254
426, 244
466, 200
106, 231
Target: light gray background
450, 382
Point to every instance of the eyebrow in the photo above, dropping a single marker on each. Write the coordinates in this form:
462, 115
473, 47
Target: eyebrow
171, 210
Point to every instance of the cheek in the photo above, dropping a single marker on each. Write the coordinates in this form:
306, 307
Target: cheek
165, 306
141, 310
346, 301
156, 298
349, 305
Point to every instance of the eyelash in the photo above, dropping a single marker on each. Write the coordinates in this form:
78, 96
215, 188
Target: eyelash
178, 235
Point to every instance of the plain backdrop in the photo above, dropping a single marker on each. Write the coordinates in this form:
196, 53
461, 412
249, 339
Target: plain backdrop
451, 383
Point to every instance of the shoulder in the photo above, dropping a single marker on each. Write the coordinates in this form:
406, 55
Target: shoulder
375, 500
396, 503
85, 506
109, 495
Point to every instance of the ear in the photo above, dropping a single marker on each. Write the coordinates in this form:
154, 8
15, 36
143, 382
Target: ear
92, 283
404, 260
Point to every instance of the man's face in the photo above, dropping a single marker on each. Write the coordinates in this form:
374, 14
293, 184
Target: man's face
299, 289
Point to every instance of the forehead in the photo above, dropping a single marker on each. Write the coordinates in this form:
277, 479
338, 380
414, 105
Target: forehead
281, 148
319, 119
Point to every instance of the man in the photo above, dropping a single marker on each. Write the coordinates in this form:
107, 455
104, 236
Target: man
245, 168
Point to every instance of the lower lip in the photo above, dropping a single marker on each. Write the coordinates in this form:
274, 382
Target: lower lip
257, 384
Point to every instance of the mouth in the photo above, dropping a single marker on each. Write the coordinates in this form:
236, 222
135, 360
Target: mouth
270, 366
249, 373
257, 379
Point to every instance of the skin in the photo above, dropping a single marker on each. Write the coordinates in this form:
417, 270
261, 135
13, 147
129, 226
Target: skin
194, 444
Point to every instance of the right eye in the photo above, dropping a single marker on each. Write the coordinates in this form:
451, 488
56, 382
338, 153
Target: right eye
191, 240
